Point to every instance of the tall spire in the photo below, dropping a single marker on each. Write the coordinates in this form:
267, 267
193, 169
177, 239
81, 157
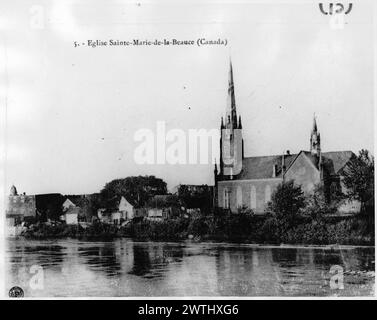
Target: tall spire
315, 139
314, 124
231, 113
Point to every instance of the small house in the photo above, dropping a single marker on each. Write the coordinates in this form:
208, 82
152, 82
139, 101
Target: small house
155, 214
126, 209
71, 212
71, 215
162, 207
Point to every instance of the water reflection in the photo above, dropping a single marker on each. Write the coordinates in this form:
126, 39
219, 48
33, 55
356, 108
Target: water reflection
101, 258
127, 268
141, 260
150, 258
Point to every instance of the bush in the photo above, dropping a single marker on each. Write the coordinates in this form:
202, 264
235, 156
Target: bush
287, 203
172, 229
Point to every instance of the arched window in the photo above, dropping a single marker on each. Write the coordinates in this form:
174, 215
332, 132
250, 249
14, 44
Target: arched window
239, 196
226, 198
267, 193
253, 198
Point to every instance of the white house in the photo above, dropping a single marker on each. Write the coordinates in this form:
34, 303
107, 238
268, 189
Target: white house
70, 212
126, 211
71, 215
126, 208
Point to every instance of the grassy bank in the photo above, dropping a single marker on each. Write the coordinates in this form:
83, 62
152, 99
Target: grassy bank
62, 230
256, 229
247, 228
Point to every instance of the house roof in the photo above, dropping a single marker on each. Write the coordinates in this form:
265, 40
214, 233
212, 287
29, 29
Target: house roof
262, 167
44, 201
77, 200
81, 199
132, 203
68, 202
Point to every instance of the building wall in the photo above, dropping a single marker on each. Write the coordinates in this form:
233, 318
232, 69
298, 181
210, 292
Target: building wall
21, 205
71, 218
115, 217
71, 215
155, 213
126, 209
304, 173
253, 194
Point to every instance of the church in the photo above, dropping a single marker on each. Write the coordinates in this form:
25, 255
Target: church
250, 181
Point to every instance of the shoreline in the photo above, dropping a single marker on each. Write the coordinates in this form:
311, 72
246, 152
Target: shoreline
209, 242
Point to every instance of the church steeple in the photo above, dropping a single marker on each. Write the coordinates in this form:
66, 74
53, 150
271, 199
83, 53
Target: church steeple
231, 113
315, 139
231, 142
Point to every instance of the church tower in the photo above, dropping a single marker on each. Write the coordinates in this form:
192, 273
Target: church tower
231, 143
315, 140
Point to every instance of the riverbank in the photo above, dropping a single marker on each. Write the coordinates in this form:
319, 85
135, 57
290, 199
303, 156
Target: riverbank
229, 228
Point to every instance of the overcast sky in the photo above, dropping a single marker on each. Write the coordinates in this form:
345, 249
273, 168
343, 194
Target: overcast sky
72, 112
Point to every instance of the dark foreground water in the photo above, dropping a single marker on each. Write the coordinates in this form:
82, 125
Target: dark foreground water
121, 268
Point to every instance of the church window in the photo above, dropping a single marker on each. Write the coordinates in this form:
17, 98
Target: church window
239, 196
226, 198
267, 193
253, 198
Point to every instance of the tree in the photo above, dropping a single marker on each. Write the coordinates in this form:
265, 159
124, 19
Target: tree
138, 190
195, 197
167, 201
287, 201
318, 205
359, 178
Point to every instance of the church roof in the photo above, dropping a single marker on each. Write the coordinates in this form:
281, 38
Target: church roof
338, 158
262, 167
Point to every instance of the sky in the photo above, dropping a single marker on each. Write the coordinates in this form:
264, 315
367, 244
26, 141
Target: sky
70, 114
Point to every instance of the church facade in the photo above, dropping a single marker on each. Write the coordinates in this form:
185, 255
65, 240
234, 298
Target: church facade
250, 181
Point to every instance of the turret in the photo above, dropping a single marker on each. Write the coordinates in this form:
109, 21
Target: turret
222, 124
239, 123
13, 191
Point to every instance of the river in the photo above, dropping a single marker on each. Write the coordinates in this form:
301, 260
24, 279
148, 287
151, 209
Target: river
125, 268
